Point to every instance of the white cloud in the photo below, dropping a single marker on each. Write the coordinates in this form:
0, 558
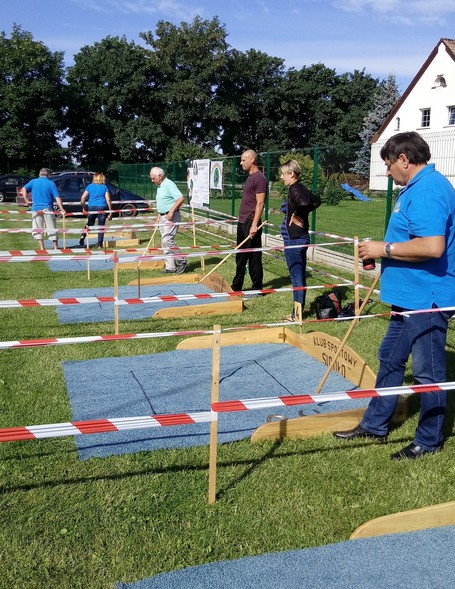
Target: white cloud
413, 12
157, 8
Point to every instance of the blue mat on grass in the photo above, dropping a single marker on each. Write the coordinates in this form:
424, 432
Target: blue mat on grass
180, 382
103, 312
415, 560
66, 265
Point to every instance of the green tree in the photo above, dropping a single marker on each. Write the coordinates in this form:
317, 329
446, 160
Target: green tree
304, 106
248, 98
32, 103
384, 99
306, 164
108, 119
352, 97
188, 62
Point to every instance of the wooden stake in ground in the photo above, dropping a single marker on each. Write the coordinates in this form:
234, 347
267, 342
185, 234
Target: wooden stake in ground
64, 232
356, 275
229, 255
116, 329
194, 238
151, 241
348, 333
215, 393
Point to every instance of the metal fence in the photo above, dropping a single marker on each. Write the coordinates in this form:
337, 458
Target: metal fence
442, 148
325, 170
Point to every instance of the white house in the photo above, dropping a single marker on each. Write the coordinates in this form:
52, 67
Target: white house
428, 107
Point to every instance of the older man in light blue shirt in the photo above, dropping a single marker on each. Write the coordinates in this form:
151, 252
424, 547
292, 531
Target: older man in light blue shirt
169, 199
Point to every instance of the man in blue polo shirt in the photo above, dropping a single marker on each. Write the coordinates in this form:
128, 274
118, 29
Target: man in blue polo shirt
44, 193
417, 273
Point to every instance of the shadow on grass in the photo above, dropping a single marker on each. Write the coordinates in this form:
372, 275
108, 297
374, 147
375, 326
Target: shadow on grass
251, 464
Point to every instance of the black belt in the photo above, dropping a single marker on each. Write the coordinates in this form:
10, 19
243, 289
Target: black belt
164, 213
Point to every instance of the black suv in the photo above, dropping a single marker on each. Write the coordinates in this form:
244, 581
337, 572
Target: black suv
9, 185
72, 185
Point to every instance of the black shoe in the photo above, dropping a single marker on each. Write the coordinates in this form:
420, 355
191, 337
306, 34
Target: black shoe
180, 269
82, 242
169, 271
359, 432
412, 451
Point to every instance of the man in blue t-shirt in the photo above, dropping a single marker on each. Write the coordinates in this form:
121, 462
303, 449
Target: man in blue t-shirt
417, 273
169, 199
43, 192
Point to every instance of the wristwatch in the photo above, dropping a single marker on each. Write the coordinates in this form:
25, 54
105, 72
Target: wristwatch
388, 249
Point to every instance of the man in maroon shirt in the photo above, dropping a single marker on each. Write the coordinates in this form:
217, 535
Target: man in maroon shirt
251, 207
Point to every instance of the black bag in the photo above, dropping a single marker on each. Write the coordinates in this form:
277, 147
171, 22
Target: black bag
349, 309
314, 201
328, 305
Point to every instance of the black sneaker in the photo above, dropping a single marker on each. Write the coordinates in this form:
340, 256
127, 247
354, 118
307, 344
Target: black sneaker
180, 269
82, 242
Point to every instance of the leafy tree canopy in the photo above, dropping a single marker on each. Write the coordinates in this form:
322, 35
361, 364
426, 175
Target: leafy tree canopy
32, 102
185, 92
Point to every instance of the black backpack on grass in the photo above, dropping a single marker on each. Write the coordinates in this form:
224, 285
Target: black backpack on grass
328, 305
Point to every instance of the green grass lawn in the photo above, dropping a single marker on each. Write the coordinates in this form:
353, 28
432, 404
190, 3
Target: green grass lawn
68, 523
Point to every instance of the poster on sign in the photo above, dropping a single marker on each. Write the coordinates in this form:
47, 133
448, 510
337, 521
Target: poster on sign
216, 175
199, 184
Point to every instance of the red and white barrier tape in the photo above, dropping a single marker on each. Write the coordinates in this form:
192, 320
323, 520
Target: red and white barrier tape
127, 336
78, 250
289, 400
57, 341
105, 228
151, 257
22, 303
96, 426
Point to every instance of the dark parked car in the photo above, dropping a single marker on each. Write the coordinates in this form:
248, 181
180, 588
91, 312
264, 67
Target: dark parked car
9, 185
71, 186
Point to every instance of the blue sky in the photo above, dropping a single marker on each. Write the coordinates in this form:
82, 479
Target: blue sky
382, 36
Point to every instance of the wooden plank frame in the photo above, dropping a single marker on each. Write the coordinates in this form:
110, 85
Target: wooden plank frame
322, 347
433, 516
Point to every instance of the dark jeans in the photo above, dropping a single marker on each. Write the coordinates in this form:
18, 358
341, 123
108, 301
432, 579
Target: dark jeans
92, 217
296, 261
253, 259
424, 337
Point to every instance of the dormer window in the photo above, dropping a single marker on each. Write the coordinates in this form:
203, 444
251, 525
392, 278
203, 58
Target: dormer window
397, 124
440, 81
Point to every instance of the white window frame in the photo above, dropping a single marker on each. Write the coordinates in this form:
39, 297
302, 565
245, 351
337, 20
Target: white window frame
451, 115
425, 117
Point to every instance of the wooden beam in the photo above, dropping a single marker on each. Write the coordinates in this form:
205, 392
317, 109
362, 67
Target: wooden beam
221, 308
433, 516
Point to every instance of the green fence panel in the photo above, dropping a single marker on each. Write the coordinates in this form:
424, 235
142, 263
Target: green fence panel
326, 168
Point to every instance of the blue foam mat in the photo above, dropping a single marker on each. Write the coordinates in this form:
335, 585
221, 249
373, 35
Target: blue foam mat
68, 265
415, 560
104, 312
180, 382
